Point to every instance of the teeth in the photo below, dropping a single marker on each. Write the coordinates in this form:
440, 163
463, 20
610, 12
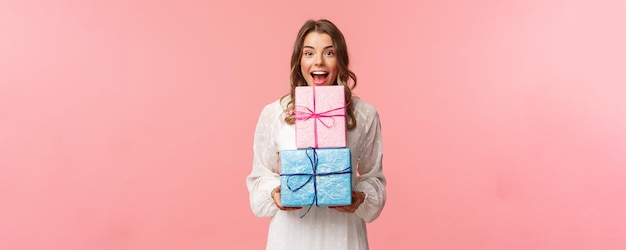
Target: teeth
319, 73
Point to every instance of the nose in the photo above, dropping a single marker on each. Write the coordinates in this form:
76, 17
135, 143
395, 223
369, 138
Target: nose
319, 60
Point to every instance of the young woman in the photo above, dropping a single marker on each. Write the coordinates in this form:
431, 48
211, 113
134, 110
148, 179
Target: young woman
319, 58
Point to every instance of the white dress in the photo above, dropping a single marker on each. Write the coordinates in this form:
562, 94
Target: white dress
322, 228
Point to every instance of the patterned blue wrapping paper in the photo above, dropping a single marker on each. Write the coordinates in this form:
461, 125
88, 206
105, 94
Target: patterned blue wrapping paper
333, 181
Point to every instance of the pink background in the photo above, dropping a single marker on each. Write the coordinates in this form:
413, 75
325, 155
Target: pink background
128, 124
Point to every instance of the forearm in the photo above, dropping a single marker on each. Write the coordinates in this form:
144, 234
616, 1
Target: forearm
375, 198
261, 201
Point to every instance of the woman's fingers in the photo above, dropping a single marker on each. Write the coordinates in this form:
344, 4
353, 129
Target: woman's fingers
276, 198
357, 200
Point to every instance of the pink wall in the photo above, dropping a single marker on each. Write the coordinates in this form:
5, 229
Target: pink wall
128, 124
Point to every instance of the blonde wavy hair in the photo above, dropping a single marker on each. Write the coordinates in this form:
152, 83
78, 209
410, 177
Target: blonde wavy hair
345, 76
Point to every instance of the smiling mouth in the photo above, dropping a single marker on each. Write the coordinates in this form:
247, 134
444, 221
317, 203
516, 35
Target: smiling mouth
319, 77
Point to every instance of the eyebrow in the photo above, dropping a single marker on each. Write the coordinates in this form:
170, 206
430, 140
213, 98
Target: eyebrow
311, 47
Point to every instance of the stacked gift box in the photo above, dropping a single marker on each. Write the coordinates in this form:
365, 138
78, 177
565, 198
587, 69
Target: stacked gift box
319, 172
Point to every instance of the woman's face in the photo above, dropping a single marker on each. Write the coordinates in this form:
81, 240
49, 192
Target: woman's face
319, 60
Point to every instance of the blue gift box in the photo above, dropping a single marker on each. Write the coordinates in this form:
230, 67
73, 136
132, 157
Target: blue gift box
321, 177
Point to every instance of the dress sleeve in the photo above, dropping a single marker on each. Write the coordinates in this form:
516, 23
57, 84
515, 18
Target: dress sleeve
264, 175
371, 180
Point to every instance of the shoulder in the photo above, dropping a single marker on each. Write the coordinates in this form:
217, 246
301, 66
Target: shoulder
363, 109
275, 108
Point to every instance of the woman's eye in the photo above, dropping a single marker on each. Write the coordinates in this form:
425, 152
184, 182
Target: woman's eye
330, 53
308, 53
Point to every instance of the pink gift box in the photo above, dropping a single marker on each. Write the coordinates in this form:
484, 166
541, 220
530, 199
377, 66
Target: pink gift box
320, 114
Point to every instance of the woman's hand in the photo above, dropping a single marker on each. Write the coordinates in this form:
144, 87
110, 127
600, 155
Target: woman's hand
276, 198
357, 199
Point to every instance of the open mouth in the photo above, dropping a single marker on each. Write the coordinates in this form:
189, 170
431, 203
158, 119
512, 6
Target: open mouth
319, 77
